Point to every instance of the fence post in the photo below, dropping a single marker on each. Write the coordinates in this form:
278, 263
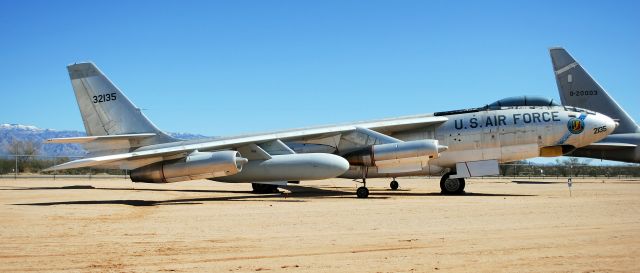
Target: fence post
15, 175
54, 172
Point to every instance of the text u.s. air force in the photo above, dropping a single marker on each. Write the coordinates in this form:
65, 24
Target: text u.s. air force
504, 120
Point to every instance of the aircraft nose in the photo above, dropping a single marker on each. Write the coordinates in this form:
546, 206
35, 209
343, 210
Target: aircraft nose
604, 125
610, 123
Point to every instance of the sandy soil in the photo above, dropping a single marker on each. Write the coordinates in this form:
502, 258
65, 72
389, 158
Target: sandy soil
499, 226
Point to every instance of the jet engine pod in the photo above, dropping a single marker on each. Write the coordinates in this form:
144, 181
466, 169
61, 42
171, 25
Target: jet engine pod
198, 165
375, 155
291, 167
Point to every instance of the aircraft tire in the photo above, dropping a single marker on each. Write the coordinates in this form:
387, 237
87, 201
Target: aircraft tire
451, 186
362, 192
394, 185
264, 188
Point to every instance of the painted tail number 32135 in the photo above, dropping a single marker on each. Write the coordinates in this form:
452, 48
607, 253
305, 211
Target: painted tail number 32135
104, 98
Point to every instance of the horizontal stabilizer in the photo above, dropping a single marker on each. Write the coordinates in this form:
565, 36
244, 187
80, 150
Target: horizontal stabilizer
87, 162
88, 139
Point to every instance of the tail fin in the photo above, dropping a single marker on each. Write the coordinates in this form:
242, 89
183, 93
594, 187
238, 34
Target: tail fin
105, 109
577, 88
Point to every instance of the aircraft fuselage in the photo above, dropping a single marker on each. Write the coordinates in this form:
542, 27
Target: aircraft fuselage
505, 135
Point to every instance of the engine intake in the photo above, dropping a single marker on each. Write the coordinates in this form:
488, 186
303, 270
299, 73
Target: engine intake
396, 153
198, 165
553, 151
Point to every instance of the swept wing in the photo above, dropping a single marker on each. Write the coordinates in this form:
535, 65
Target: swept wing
155, 153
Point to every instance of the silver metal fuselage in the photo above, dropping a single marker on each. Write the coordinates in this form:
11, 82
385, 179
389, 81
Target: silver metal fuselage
508, 134
505, 134
119, 136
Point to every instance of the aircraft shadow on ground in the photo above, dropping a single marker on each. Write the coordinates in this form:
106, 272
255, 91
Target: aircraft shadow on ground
537, 182
298, 194
89, 187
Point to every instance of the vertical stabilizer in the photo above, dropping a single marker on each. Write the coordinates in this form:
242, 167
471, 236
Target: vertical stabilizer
105, 109
578, 88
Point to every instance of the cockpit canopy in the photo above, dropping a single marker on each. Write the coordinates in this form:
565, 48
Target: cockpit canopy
523, 101
512, 102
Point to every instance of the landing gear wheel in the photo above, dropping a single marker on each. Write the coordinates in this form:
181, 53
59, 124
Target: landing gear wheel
451, 186
264, 188
362, 192
394, 185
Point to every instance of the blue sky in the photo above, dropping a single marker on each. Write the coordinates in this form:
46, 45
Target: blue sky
231, 67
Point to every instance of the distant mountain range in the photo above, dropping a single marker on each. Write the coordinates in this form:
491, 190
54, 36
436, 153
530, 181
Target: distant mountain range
11, 132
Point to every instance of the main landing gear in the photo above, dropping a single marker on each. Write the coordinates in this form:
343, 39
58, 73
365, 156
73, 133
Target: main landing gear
264, 188
448, 186
363, 192
394, 184
451, 186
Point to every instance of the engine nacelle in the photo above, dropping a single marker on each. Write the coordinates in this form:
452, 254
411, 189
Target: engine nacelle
396, 153
291, 167
198, 165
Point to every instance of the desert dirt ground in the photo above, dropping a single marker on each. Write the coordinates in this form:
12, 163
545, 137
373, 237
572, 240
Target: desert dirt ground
113, 225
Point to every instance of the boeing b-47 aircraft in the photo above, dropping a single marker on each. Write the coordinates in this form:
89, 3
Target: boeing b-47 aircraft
454, 144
